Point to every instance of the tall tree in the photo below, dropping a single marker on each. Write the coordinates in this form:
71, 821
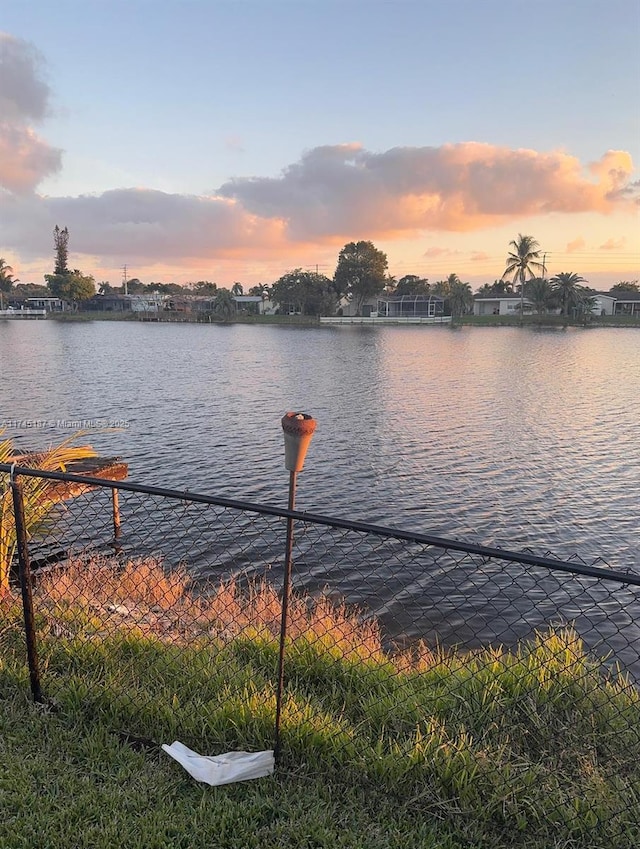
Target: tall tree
522, 262
569, 291
237, 289
305, 292
61, 243
361, 272
73, 286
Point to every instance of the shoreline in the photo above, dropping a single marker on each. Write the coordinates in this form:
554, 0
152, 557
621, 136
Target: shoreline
541, 322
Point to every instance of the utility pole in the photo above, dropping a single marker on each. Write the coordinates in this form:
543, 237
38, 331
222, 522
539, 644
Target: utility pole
124, 279
544, 265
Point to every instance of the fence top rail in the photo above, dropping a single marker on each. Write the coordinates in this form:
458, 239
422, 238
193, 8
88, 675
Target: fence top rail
488, 552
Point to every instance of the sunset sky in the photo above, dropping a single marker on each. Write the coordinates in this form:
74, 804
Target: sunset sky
233, 141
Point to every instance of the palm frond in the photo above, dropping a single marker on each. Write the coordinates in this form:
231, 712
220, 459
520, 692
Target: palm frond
36, 492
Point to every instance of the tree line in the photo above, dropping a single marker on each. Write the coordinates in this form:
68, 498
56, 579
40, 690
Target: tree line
564, 291
361, 275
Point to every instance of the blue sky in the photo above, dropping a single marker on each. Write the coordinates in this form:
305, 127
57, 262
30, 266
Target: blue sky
206, 140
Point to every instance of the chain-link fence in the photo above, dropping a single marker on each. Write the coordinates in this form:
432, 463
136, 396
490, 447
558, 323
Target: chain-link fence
478, 679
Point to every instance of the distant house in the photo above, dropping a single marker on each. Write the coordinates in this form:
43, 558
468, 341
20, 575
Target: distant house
603, 304
48, 304
249, 303
627, 303
349, 308
179, 304
409, 306
394, 306
109, 303
149, 302
499, 305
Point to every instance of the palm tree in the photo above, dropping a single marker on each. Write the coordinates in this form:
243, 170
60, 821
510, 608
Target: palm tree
567, 287
588, 302
7, 280
6, 273
626, 286
539, 291
36, 493
261, 289
237, 289
223, 304
458, 294
498, 287
522, 261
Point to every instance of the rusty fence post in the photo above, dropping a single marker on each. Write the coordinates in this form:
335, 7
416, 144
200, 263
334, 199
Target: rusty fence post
117, 530
26, 588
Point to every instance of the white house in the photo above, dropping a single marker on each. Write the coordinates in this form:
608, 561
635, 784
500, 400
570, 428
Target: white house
501, 305
244, 302
603, 304
149, 302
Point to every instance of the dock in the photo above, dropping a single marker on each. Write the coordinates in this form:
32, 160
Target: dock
23, 314
105, 468
377, 321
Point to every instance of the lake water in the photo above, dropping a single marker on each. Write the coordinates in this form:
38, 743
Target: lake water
511, 437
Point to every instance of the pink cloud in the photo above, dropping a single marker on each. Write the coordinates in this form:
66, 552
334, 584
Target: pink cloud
345, 189
332, 195
576, 245
25, 159
434, 253
613, 244
479, 256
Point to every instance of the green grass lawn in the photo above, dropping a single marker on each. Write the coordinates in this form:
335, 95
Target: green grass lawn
535, 748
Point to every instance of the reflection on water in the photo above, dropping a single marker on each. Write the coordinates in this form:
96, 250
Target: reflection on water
507, 437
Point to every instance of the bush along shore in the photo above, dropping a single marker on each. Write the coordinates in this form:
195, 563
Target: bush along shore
536, 747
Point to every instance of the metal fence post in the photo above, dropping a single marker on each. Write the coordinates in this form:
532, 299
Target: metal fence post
25, 586
298, 429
